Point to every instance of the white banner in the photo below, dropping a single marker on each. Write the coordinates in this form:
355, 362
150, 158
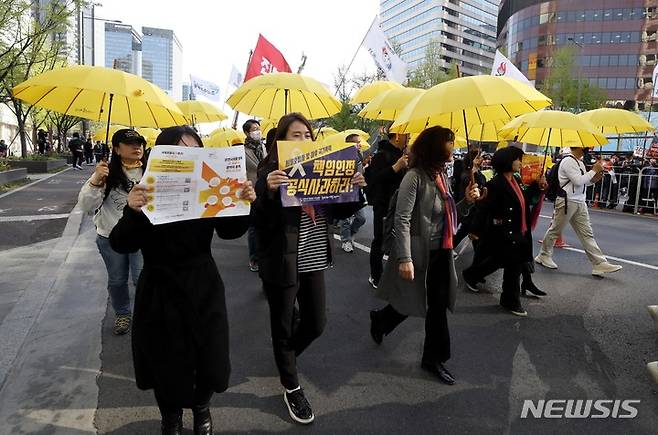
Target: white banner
237, 78
654, 92
382, 52
204, 88
503, 67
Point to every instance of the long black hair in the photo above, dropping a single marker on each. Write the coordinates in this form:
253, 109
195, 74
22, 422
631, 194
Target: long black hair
430, 151
117, 177
281, 131
173, 135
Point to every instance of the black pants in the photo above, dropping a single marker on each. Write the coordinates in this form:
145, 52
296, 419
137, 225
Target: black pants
488, 263
78, 158
376, 254
437, 335
169, 405
289, 341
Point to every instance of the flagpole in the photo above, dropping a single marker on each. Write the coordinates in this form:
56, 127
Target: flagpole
342, 81
644, 143
235, 117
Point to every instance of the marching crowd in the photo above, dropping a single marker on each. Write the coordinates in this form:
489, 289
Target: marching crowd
420, 215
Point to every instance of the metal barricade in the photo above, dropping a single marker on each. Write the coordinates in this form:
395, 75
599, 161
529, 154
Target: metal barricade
626, 192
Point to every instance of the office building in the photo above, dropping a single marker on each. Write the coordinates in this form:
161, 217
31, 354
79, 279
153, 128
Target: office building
464, 29
123, 48
162, 60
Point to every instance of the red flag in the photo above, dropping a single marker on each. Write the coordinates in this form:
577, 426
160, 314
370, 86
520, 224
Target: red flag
266, 59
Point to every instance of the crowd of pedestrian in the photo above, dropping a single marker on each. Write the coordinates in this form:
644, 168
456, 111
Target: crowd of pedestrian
421, 214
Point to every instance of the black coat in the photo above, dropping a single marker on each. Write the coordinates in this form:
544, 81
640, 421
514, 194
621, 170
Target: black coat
277, 231
382, 180
180, 327
497, 221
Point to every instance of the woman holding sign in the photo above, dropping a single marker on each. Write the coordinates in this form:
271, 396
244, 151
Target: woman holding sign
419, 278
180, 329
294, 250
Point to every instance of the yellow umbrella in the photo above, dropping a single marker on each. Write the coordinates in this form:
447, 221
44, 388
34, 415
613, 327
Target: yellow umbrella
220, 130
197, 112
552, 128
150, 134
616, 121
460, 103
273, 95
388, 105
100, 134
101, 94
371, 90
361, 133
323, 132
487, 132
460, 141
340, 137
267, 124
225, 139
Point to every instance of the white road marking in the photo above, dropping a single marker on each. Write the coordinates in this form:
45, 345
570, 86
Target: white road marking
38, 217
18, 189
47, 208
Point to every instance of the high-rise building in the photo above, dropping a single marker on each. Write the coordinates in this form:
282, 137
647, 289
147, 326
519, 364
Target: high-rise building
615, 42
123, 48
162, 60
187, 92
464, 29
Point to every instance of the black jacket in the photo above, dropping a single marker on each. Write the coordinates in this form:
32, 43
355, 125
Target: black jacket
277, 231
179, 328
382, 180
497, 221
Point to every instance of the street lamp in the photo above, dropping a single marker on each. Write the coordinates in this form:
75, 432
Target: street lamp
580, 70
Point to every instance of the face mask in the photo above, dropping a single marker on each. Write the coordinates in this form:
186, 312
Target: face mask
255, 135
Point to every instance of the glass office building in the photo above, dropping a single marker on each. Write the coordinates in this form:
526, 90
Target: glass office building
123, 48
465, 30
615, 42
162, 60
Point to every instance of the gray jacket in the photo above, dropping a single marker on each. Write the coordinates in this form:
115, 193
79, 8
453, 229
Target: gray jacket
413, 217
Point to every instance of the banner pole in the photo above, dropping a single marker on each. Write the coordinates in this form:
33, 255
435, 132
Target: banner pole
342, 81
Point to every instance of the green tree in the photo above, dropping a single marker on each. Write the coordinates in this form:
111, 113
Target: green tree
565, 86
430, 72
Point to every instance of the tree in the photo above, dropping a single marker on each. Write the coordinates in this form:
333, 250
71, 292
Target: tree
62, 124
430, 72
565, 86
347, 117
37, 49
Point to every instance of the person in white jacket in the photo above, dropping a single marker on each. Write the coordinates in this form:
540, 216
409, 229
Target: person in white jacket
106, 194
574, 179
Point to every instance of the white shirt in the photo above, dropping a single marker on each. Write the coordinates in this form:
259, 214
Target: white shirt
574, 178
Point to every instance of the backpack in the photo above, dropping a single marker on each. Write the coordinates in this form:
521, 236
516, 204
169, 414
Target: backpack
388, 236
554, 189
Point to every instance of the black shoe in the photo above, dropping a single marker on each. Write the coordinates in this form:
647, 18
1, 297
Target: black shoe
439, 370
172, 423
471, 284
515, 309
376, 334
298, 407
202, 420
532, 288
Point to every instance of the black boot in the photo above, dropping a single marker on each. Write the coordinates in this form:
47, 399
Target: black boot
172, 422
532, 288
375, 330
202, 420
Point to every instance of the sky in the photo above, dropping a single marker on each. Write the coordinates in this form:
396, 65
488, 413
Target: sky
218, 34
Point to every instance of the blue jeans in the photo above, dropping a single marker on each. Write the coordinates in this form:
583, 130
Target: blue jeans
253, 244
350, 226
118, 266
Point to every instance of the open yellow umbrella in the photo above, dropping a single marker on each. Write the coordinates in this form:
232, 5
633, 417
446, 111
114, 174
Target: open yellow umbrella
150, 134
461, 103
460, 141
368, 92
273, 95
552, 128
220, 130
100, 134
340, 137
101, 94
197, 112
487, 132
225, 139
324, 132
616, 121
267, 124
388, 105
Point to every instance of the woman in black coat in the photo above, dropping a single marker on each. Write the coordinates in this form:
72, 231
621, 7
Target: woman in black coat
180, 328
502, 225
294, 249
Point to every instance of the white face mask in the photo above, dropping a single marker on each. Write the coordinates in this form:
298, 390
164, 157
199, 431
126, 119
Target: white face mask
255, 135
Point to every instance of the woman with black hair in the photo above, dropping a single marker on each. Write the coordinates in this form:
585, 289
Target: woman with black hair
106, 193
180, 328
419, 278
502, 225
294, 251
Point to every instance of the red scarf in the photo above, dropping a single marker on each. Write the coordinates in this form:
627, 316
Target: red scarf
450, 212
310, 212
519, 196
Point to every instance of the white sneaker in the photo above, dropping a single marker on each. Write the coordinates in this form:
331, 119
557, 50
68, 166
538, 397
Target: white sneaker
653, 370
545, 261
653, 312
347, 246
372, 282
605, 267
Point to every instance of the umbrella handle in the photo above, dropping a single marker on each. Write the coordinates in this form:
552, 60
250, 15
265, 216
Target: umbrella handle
109, 116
